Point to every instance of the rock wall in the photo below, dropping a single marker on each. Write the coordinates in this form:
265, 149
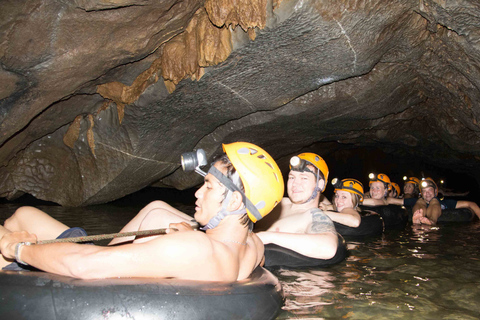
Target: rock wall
100, 98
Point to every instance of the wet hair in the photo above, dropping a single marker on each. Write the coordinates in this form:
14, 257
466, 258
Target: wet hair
355, 201
232, 174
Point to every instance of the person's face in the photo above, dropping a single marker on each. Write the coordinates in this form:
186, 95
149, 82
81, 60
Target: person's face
408, 188
377, 190
300, 185
343, 199
428, 193
209, 198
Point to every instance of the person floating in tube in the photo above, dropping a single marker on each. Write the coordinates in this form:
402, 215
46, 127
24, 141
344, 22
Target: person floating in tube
411, 187
428, 208
297, 223
242, 186
348, 195
380, 186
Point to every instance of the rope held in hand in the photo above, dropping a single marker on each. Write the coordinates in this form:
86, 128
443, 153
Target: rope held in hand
109, 236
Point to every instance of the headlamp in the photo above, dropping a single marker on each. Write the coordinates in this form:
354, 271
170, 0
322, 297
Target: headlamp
337, 184
372, 176
193, 161
300, 165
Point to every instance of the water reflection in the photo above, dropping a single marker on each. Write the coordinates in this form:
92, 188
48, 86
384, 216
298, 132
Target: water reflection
421, 272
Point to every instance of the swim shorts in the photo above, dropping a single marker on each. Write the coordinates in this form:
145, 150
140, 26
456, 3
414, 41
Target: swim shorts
70, 233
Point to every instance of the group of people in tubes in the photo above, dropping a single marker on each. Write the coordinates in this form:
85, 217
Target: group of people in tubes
244, 186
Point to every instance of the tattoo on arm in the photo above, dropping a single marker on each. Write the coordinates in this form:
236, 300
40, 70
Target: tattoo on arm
321, 223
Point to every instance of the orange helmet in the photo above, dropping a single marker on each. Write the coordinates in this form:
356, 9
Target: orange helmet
260, 175
318, 162
350, 185
396, 187
380, 177
428, 182
411, 180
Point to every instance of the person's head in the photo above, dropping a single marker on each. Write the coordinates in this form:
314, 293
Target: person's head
429, 189
306, 179
244, 181
395, 192
348, 194
411, 186
379, 185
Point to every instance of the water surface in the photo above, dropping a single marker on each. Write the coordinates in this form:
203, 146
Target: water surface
418, 273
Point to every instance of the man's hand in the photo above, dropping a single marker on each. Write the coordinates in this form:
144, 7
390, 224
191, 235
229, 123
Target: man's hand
9, 240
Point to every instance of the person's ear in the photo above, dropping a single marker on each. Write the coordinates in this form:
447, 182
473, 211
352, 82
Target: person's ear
236, 201
321, 184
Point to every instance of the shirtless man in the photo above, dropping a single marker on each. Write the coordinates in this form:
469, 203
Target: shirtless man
227, 251
429, 208
297, 223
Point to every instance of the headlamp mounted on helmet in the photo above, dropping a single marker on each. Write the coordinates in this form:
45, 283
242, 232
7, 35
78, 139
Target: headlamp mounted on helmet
382, 178
411, 180
428, 182
300, 165
350, 185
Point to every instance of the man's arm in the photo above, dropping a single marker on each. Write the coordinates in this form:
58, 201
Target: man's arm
374, 202
395, 201
470, 205
318, 246
319, 242
179, 255
348, 216
434, 211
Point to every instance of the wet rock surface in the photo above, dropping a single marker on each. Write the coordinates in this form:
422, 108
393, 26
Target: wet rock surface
99, 99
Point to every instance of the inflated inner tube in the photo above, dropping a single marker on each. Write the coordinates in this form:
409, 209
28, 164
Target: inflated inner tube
371, 224
39, 295
451, 215
277, 256
394, 216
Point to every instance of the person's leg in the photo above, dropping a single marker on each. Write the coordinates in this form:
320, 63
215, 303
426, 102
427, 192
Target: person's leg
3, 261
35, 221
419, 210
155, 215
434, 211
470, 205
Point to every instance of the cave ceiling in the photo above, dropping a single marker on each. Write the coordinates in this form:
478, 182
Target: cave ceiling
100, 98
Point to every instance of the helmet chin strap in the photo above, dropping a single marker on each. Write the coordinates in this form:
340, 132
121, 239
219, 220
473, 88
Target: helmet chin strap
215, 221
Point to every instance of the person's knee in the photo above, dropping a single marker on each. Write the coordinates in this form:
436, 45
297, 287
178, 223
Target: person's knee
18, 218
157, 218
158, 204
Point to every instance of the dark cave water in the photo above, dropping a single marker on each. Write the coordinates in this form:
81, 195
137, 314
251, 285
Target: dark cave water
419, 272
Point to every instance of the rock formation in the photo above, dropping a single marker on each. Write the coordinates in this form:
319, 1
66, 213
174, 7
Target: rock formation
100, 98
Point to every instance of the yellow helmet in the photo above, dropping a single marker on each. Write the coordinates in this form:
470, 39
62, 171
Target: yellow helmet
350, 185
396, 187
318, 162
260, 175
428, 182
412, 180
380, 177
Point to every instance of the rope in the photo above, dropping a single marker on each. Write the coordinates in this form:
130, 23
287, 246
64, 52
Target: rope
109, 236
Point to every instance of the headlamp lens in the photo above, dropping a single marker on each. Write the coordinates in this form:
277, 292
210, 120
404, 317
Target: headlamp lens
193, 160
